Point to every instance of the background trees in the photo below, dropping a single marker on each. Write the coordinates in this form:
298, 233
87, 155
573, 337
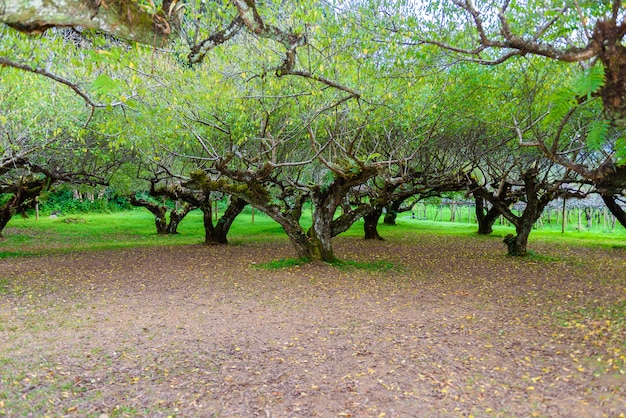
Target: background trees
42, 143
353, 108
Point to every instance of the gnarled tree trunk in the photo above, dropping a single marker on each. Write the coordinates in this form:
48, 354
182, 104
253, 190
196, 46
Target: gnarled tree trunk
535, 204
537, 196
176, 216
320, 234
163, 227
485, 217
217, 234
392, 212
24, 193
370, 226
122, 18
159, 212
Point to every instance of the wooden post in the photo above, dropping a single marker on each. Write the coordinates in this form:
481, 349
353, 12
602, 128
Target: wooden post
563, 221
36, 208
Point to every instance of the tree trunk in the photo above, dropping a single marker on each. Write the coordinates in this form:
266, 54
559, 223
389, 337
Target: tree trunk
320, 233
615, 209
25, 191
524, 222
370, 226
160, 220
517, 245
207, 220
537, 197
159, 212
392, 212
176, 217
485, 218
217, 235
5, 217
121, 18
320, 247
299, 239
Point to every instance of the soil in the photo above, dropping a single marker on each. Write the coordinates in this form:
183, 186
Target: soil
440, 327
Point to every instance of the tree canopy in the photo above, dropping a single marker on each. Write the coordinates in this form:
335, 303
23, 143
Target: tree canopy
352, 107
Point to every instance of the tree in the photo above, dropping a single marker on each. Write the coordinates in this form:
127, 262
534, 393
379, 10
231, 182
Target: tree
490, 33
41, 145
276, 166
278, 143
275, 191
160, 208
522, 178
575, 136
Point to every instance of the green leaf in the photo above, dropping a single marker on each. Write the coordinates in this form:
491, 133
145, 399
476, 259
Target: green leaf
620, 151
566, 98
590, 82
563, 101
373, 156
103, 84
597, 134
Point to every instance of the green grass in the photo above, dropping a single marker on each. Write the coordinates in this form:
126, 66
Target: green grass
135, 228
283, 263
380, 266
612, 238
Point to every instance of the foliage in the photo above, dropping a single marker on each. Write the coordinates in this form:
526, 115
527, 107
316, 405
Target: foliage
578, 90
62, 200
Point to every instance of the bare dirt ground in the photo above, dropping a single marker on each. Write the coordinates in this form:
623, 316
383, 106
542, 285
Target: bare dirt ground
455, 328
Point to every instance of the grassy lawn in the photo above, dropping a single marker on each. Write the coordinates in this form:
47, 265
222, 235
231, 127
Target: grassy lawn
136, 228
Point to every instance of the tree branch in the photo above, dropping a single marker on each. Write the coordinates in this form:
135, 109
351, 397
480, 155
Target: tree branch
323, 80
93, 105
199, 50
125, 19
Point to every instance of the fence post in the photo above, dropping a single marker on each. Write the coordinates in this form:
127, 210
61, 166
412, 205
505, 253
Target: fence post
563, 221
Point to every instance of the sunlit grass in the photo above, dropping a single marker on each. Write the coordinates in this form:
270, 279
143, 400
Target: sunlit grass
136, 228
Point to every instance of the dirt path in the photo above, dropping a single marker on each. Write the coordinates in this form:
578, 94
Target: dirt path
453, 329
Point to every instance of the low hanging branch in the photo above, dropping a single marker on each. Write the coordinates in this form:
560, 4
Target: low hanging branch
4, 62
515, 45
125, 19
353, 93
